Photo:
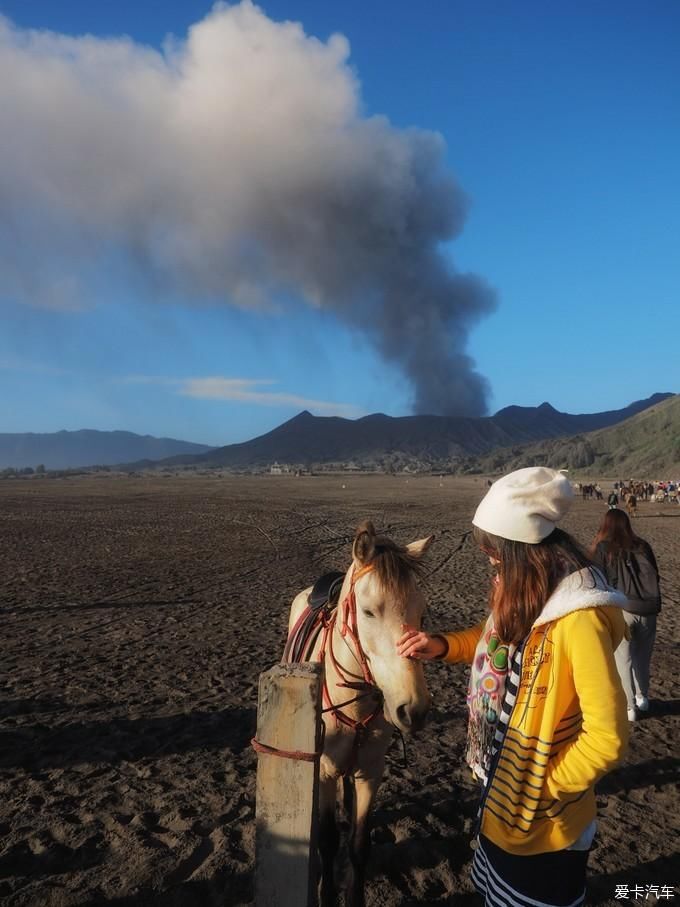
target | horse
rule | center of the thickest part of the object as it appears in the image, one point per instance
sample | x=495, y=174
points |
x=369, y=690
x=631, y=505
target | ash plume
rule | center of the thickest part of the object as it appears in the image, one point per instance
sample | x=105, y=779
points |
x=235, y=165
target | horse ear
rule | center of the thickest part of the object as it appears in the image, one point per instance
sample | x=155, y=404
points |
x=418, y=548
x=363, y=549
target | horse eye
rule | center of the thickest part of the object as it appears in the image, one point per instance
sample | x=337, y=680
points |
x=368, y=613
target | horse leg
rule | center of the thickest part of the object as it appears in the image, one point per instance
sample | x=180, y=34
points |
x=329, y=839
x=365, y=790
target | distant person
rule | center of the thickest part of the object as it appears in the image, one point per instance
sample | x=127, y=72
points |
x=543, y=681
x=630, y=566
x=613, y=500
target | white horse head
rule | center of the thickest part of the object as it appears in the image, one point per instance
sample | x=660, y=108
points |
x=387, y=597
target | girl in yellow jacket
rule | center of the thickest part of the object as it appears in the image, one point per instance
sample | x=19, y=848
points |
x=547, y=713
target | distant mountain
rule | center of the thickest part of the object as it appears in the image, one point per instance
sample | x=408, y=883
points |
x=69, y=449
x=646, y=446
x=385, y=441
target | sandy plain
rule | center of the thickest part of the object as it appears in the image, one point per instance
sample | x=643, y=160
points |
x=137, y=615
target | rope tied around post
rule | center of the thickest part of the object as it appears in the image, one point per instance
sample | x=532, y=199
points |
x=297, y=755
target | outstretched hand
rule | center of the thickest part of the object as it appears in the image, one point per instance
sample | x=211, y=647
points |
x=418, y=644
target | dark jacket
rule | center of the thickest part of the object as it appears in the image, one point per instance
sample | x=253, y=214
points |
x=633, y=572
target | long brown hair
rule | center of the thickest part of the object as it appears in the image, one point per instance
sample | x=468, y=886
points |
x=616, y=531
x=527, y=577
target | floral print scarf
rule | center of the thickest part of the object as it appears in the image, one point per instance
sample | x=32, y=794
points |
x=485, y=697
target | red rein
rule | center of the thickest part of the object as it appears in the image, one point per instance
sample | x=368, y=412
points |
x=348, y=679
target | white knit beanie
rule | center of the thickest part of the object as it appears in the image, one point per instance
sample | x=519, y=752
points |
x=525, y=505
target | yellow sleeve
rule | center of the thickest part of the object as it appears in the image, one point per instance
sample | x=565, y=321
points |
x=462, y=645
x=590, y=637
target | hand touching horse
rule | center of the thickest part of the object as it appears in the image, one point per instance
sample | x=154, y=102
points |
x=369, y=688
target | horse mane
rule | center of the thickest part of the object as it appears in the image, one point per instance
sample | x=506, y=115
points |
x=395, y=568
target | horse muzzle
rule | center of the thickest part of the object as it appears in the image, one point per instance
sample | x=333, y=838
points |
x=410, y=717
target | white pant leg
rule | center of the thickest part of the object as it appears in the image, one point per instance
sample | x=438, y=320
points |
x=624, y=664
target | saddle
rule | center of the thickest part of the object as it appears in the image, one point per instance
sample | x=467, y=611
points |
x=326, y=590
x=320, y=602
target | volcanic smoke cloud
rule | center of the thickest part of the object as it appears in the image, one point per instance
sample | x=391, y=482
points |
x=235, y=165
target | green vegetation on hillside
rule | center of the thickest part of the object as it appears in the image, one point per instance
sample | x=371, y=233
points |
x=647, y=444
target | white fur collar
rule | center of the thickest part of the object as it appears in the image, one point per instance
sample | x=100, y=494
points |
x=586, y=588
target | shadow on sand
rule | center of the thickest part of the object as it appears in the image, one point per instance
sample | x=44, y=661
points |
x=41, y=746
x=104, y=605
x=654, y=772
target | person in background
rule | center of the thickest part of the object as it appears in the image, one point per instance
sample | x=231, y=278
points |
x=629, y=564
x=613, y=500
x=547, y=714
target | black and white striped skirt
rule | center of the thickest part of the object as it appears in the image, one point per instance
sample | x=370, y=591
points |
x=542, y=880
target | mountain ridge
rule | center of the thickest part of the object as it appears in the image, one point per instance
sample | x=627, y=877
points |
x=644, y=445
x=373, y=441
x=86, y=447
x=380, y=441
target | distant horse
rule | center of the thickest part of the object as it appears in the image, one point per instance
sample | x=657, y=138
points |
x=631, y=505
x=368, y=690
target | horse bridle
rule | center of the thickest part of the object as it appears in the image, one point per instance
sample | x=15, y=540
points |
x=364, y=683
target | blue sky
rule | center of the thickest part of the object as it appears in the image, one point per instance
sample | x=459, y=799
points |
x=561, y=127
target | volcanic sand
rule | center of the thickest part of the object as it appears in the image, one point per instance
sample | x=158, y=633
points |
x=137, y=614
